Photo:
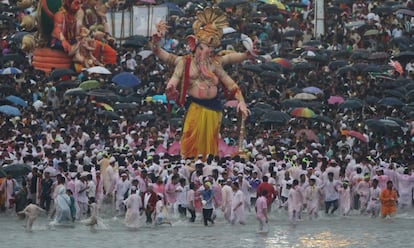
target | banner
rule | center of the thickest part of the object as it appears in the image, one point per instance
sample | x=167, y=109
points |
x=139, y=20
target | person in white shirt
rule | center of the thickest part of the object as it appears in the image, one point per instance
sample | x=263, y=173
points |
x=121, y=191
x=227, y=197
x=330, y=189
x=91, y=191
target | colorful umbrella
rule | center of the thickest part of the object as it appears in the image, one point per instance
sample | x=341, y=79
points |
x=285, y=63
x=17, y=100
x=302, y=112
x=89, y=85
x=9, y=110
x=105, y=106
x=10, y=71
x=126, y=79
x=335, y=100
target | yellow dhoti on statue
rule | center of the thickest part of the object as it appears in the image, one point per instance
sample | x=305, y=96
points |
x=200, y=132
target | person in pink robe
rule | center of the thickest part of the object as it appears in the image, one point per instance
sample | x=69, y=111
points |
x=238, y=214
x=7, y=188
x=294, y=201
x=405, y=189
x=362, y=190
x=312, y=198
x=261, y=210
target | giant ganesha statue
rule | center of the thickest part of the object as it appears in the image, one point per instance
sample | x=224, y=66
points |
x=73, y=34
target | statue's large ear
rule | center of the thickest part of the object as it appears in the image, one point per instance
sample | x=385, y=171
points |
x=192, y=42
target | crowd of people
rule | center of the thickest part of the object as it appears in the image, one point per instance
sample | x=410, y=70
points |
x=349, y=145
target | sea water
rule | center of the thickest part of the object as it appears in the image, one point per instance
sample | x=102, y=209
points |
x=327, y=231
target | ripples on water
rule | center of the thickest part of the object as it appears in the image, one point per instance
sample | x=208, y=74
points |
x=325, y=232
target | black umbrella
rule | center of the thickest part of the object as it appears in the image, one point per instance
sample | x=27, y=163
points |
x=144, y=117
x=359, y=56
x=313, y=43
x=263, y=105
x=293, y=103
x=302, y=66
x=371, y=100
x=17, y=170
x=68, y=84
x=390, y=101
x=393, y=93
x=270, y=75
x=292, y=33
x=400, y=122
x=275, y=117
x=336, y=64
x=322, y=118
x=350, y=104
x=378, y=55
x=345, y=69
x=7, y=89
x=101, y=92
x=15, y=57
x=253, y=68
x=410, y=95
x=231, y=3
x=382, y=10
x=405, y=55
x=123, y=105
x=58, y=73
x=135, y=41
x=271, y=66
x=109, y=114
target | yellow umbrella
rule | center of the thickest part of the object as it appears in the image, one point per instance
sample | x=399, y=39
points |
x=105, y=106
x=278, y=4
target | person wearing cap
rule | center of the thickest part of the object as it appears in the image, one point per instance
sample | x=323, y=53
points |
x=227, y=197
x=121, y=191
x=81, y=187
x=133, y=205
x=374, y=204
x=312, y=197
x=362, y=189
x=344, y=198
x=388, y=198
x=207, y=195
x=109, y=176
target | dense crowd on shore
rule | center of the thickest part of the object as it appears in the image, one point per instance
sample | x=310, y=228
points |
x=119, y=146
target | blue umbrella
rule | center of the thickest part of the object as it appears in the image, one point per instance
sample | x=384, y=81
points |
x=10, y=71
x=312, y=90
x=161, y=98
x=9, y=110
x=390, y=101
x=17, y=100
x=126, y=79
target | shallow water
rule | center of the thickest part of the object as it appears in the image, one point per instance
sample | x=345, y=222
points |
x=352, y=231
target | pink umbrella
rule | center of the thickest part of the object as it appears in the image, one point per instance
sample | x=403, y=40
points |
x=336, y=100
x=231, y=103
x=148, y=1
x=174, y=148
x=358, y=135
